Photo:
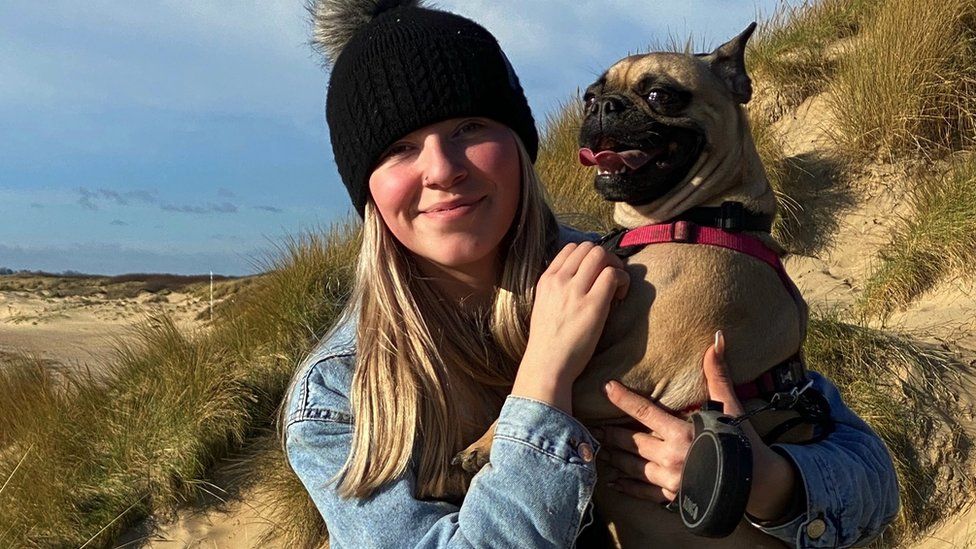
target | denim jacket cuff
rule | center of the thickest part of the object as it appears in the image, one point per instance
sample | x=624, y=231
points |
x=548, y=430
x=816, y=525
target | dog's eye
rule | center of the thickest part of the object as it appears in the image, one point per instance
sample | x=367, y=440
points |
x=662, y=97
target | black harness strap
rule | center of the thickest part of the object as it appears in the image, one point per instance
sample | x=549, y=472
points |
x=730, y=216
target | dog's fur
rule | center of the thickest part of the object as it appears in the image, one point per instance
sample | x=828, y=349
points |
x=680, y=294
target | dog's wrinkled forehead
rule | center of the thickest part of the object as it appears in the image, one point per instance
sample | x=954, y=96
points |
x=674, y=68
x=638, y=74
x=709, y=78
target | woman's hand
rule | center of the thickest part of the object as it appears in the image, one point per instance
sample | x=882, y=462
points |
x=572, y=300
x=650, y=461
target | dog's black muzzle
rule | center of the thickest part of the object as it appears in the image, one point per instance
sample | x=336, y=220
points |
x=673, y=150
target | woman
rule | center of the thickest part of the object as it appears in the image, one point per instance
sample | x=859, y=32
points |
x=434, y=141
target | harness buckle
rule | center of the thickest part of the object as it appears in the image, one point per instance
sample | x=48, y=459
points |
x=682, y=231
x=732, y=216
x=791, y=374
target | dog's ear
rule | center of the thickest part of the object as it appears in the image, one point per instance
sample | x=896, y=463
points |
x=728, y=62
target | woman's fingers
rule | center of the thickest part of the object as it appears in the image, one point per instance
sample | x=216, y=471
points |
x=568, y=315
x=644, y=445
x=638, y=468
x=611, y=283
x=621, y=276
x=587, y=262
x=721, y=388
x=644, y=411
x=590, y=270
x=558, y=261
x=571, y=266
x=591, y=264
x=642, y=490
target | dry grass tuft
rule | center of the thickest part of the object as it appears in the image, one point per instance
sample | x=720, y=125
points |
x=286, y=505
x=791, y=53
x=936, y=241
x=97, y=455
x=908, y=86
x=55, y=491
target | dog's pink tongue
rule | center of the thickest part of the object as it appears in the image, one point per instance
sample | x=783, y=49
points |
x=613, y=161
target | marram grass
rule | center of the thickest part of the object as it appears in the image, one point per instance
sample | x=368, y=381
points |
x=907, y=85
x=794, y=52
x=82, y=459
x=906, y=392
x=570, y=184
x=936, y=241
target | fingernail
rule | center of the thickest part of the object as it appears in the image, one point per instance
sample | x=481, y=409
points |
x=720, y=344
x=607, y=388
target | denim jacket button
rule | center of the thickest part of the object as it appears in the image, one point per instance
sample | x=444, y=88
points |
x=816, y=528
x=585, y=451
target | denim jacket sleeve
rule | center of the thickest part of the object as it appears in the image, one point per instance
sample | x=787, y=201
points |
x=850, y=482
x=534, y=493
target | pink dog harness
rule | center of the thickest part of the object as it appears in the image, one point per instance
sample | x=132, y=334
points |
x=686, y=232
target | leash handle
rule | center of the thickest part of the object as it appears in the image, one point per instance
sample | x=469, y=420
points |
x=717, y=475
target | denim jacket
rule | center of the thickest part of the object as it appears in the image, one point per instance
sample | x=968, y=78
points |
x=536, y=490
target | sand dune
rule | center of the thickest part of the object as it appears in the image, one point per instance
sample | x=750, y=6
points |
x=81, y=330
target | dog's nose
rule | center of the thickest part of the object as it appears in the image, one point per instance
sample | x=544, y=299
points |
x=606, y=105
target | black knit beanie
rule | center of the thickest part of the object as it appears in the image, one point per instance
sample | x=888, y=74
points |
x=397, y=67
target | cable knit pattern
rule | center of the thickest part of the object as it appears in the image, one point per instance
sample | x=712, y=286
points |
x=410, y=67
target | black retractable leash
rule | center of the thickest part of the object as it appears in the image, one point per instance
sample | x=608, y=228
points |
x=717, y=475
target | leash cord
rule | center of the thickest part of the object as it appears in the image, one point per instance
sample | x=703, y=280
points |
x=774, y=403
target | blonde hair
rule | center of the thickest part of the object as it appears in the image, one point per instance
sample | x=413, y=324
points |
x=427, y=370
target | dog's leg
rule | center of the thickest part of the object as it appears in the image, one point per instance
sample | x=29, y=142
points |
x=474, y=457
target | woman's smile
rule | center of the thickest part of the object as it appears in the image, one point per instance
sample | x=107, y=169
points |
x=452, y=209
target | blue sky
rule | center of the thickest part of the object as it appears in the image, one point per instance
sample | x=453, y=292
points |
x=190, y=136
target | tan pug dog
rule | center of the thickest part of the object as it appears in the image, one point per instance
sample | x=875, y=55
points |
x=678, y=138
x=669, y=133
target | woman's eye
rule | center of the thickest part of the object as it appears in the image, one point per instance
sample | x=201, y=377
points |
x=468, y=127
x=396, y=150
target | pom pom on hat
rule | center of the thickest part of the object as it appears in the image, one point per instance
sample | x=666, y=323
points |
x=335, y=22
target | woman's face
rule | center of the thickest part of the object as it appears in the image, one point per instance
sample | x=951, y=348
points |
x=449, y=192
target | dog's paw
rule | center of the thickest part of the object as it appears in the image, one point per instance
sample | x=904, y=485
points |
x=473, y=458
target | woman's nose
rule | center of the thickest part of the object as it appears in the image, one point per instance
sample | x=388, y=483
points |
x=442, y=163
